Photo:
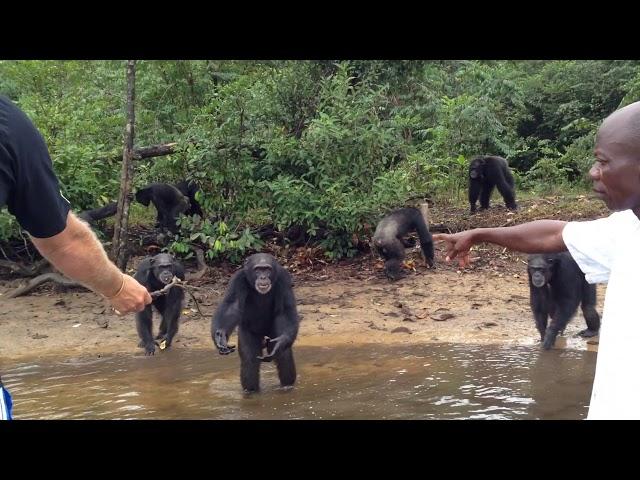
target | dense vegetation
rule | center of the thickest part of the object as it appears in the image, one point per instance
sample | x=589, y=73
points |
x=323, y=147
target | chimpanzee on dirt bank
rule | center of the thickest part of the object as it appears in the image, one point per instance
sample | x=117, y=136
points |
x=485, y=173
x=389, y=242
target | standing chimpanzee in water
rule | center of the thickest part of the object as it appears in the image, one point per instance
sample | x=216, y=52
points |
x=189, y=188
x=155, y=273
x=260, y=301
x=557, y=286
x=389, y=242
x=169, y=203
x=488, y=172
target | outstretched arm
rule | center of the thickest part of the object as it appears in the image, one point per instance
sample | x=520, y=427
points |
x=540, y=236
x=78, y=254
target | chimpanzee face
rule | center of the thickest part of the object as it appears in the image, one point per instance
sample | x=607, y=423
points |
x=260, y=272
x=476, y=169
x=541, y=268
x=163, y=268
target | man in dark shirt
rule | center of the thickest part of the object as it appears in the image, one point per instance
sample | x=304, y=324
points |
x=29, y=188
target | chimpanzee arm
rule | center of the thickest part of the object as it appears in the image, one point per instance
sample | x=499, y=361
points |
x=229, y=313
x=286, y=319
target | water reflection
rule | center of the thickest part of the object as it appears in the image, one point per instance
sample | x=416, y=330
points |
x=366, y=382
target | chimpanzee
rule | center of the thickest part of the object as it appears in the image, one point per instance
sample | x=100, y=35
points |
x=557, y=286
x=92, y=216
x=260, y=301
x=389, y=242
x=169, y=203
x=485, y=173
x=189, y=188
x=155, y=273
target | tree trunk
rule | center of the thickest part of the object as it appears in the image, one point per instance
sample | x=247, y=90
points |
x=120, y=251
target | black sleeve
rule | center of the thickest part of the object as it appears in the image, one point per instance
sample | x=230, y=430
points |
x=32, y=192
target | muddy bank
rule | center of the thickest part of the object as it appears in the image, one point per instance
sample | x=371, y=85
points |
x=340, y=303
x=440, y=305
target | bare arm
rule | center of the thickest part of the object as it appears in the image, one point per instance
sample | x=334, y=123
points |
x=78, y=254
x=540, y=236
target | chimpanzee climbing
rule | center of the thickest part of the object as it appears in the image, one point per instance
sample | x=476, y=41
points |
x=260, y=302
x=169, y=203
x=485, y=173
x=390, y=244
x=189, y=188
x=557, y=286
x=156, y=273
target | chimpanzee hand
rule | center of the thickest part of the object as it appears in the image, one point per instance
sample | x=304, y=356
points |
x=150, y=348
x=277, y=342
x=220, y=339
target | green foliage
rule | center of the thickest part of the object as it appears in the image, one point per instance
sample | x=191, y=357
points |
x=217, y=239
x=328, y=146
x=9, y=227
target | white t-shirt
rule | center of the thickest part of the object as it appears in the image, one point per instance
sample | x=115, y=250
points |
x=608, y=250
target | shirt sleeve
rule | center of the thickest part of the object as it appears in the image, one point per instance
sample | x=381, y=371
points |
x=593, y=244
x=34, y=196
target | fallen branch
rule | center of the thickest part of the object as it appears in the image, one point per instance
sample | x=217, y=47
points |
x=202, y=266
x=25, y=271
x=34, y=282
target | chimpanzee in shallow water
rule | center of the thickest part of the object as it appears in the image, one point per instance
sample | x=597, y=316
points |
x=260, y=301
x=485, y=173
x=557, y=286
x=169, y=203
x=155, y=273
x=189, y=188
x=390, y=244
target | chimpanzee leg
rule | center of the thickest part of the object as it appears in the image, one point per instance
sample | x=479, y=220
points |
x=485, y=195
x=286, y=367
x=475, y=187
x=540, y=305
x=508, y=195
x=589, y=311
x=558, y=324
x=143, y=325
x=171, y=314
x=249, y=348
x=162, y=332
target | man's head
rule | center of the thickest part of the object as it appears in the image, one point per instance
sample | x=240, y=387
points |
x=616, y=172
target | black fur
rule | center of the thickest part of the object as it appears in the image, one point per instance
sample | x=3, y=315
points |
x=149, y=273
x=488, y=172
x=266, y=319
x=189, y=188
x=561, y=288
x=169, y=203
x=389, y=242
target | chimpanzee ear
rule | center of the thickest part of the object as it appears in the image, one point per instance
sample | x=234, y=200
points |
x=152, y=261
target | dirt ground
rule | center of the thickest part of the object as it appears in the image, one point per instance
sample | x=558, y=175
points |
x=348, y=302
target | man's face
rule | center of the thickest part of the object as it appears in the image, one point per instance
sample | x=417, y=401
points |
x=616, y=172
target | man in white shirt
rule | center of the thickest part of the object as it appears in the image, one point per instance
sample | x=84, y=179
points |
x=607, y=250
